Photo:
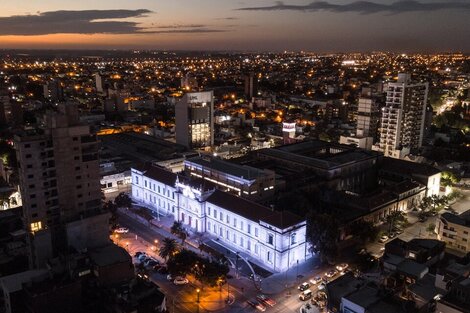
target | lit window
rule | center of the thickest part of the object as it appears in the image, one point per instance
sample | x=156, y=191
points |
x=36, y=226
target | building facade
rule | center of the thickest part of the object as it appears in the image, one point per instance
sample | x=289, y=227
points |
x=454, y=230
x=272, y=239
x=402, y=120
x=194, y=115
x=59, y=178
x=244, y=181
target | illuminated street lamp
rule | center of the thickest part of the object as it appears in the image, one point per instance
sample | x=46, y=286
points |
x=198, y=291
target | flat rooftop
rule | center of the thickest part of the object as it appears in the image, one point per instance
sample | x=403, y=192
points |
x=140, y=147
x=319, y=153
x=242, y=171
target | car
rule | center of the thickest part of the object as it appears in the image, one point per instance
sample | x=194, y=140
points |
x=383, y=239
x=255, y=304
x=331, y=273
x=180, y=280
x=304, y=286
x=322, y=286
x=138, y=253
x=266, y=300
x=398, y=230
x=169, y=277
x=341, y=267
x=392, y=235
x=315, y=280
x=305, y=295
x=121, y=230
x=142, y=257
x=151, y=263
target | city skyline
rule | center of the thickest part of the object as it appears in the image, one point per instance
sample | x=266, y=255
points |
x=262, y=25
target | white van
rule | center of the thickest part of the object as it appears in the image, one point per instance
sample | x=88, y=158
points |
x=307, y=294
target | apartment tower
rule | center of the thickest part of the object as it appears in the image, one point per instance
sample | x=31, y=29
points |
x=402, y=121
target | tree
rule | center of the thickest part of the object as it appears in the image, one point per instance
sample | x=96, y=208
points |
x=364, y=230
x=211, y=273
x=123, y=200
x=449, y=178
x=169, y=248
x=323, y=234
x=178, y=230
x=182, y=263
x=431, y=228
x=394, y=218
x=111, y=207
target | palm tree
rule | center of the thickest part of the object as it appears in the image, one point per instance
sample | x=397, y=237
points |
x=170, y=246
x=178, y=230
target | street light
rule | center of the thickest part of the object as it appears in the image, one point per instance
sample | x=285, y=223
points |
x=198, y=291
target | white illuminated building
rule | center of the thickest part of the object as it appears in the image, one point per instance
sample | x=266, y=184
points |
x=272, y=239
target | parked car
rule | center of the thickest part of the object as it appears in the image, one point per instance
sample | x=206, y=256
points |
x=307, y=294
x=169, y=277
x=315, y=280
x=383, y=239
x=331, y=273
x=304, y=286
x=121, y=230
x=180, y=280
x=341, y=267
x=266, y=300
x=151, y=263
x=142, y=257
x=138, y=253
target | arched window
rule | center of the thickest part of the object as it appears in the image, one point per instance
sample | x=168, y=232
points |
x=293, y=239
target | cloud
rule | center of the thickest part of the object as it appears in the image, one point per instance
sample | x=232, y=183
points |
x=188, y=31
x=176, y=26
x=365, y=7
x=230, y=18
x=184, y=29
x=73, y=22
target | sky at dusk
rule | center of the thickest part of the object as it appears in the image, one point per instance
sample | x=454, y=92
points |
x=246, y=25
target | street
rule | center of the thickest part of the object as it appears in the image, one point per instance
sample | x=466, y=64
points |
x=183, y=298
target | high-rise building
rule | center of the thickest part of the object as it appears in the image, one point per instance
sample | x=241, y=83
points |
x=367, y=115
x=402, y=120
x=54, y=91
x=194, y=115
x=251, y=85
x=60, y=185
x=98, y=83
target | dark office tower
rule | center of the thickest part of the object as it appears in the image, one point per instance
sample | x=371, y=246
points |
x=60, y=185
x=195, y=120
x=251, y=85
x=54, y=91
